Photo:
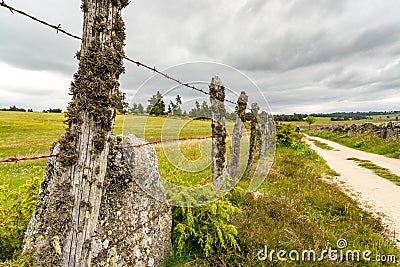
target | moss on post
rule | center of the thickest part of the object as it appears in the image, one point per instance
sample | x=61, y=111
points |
x=265, y=132
x=237, y=133
x=254, y=135
x=218, y=113
x=63, y=234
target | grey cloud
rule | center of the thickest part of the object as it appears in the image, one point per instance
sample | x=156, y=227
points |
x=321, y=8
x=29, y=45
x=298, y=49
x=301, y=53
x=253, y=7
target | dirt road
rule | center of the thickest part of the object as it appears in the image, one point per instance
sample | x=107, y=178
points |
x=377, y=195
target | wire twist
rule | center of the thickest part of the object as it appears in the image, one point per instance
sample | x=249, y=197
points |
x=15, y=159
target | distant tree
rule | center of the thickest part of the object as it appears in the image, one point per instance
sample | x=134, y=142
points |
x=140, y=108
x=135, y=107
x=178, y=100
x=122, y=105
x=156, y=105
x=195, y=112
x=174, y=109
x=53, y=110
x=200, y=111
x=14, y=108
x=310, y=120
x=205, y=110
x=284, y=117
x=171, y=107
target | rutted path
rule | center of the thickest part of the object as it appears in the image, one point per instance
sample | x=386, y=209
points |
x=375, y=194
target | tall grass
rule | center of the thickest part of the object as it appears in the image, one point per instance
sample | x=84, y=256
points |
x=293, y=209
x=365, y=142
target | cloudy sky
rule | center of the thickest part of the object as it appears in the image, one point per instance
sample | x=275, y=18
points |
x=304, y=55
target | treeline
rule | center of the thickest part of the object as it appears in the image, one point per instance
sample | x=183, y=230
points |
x=294, y=117
x=157, y=106
x=14, y=108
x=343, y=116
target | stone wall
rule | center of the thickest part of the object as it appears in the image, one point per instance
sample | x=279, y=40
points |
x=388, y=131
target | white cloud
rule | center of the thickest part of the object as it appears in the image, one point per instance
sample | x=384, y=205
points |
x=32, y=89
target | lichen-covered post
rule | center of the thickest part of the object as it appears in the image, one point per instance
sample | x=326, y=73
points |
x=254, y=134
x=237, y=134
x=271, y=131
x=218, y=113
x=64, y=234
x=264, y=129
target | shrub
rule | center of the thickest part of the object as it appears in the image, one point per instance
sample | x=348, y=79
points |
x=286, y=134
x=16, y=207
x=205, y=229
x=358, y=144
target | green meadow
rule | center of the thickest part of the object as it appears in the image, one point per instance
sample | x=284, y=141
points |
x=365, y=142
x=294, y=209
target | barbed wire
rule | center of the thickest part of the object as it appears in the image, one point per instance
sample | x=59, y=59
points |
x=15, y=159
x=138, y=63
x=165, y=141
x=57, y=28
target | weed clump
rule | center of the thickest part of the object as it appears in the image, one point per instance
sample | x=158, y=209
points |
x=15, y=211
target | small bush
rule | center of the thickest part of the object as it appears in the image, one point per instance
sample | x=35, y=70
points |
x=300, y=147
x=286, y=134
x=206, y=229
x=358, y=144
x=16, y=207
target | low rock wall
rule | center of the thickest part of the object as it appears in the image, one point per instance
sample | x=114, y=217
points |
x=388, y=131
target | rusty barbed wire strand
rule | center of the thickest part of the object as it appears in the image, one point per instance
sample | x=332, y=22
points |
x=15, y=159
x=57, y=28
x=154, y=69
x=138, y=63
x=165, y=141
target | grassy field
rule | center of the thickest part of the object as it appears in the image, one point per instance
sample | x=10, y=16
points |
x=365, y=142
x=324, y=121
x=293, y=210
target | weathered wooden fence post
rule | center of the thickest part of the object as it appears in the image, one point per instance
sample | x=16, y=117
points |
x=254, y=134
x=264, y=129
x=91, y=210
x=218, y=113
x=85, y=146
x=237, y=134
x=73, y=206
